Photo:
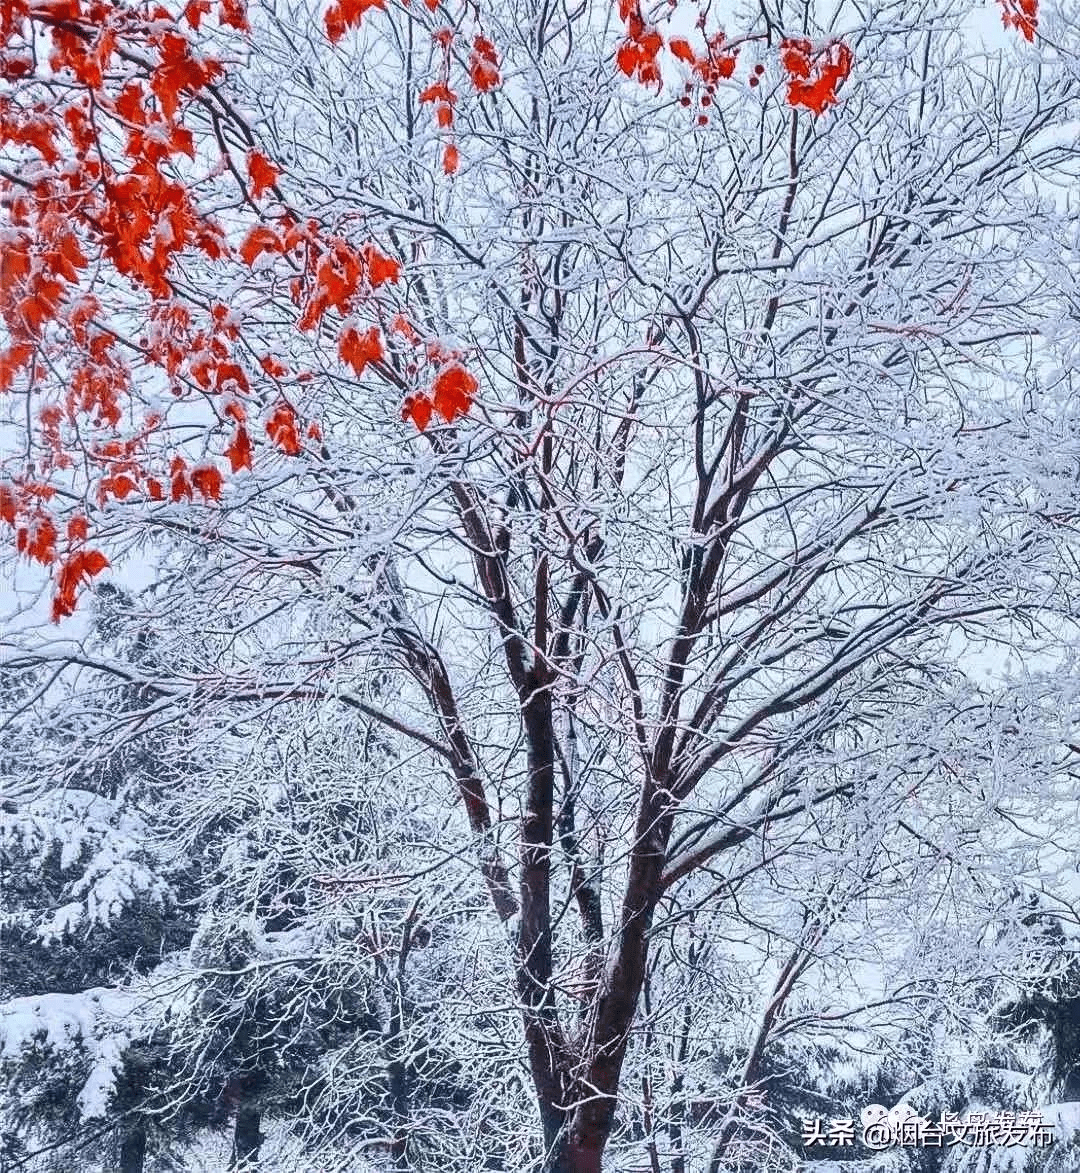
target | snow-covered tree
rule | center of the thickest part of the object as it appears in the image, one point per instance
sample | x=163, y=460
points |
x=660, y=429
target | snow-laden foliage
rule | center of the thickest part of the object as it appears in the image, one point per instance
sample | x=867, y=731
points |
x=96, y=838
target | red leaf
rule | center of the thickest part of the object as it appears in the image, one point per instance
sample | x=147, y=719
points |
x=195, y=10
x=272, y=367
x=77, y=529
x=234, y=13
x=1022, y=15
x=12, y=360
x=360, y=349
x=261, y=239
x=450, y=159
x=181, y=486
x=353, y=10
x=263, y=173
x=335, y=24
x=438, y=92
x=8, y=504
x=627, y=57
x=40, y=542
x=154, y=489
x=347, y=14
x=178, y=72
x=795, y=56
x=281, y=428
x=453, y=392
x=380, y=269
x=418, y=408
x=683, y=50
x=484, y=76
x=130, y=103
x=207, y=479
x=120, y=486
x=239, y=451
x=15, y=262
x=94, y=562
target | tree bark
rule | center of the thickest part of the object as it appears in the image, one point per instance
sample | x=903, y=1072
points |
x=247, y=1139
x=133, y=1150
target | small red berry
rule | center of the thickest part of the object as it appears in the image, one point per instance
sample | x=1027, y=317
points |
x=703, y=120
x=684, y=101
x=759, y=69
x=753, y=81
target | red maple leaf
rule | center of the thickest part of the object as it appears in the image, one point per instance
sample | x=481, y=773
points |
x=453, y=392
x=438, y=92
x=281, y=428
x=380, y=268
x=360, y=349
x=261, y=239
x=418, y=408
x=1022, y=15
x=239, y=450
x=484, y=65
x=207, y=479
x=234, y=13
x=39, y=540
x=194, y=11
x=263, y=173
x=119, y=486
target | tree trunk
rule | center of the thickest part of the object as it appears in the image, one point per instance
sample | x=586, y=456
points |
x=247, y=1139
x=555, y=1139
x=133, y=1150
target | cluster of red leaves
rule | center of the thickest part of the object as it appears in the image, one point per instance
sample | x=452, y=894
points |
x=347, y=14
x=36, y=536
x=814, y=75
x=718, y=63
x=282, y=428
x=484, y=74
x=444, y=99
x=93, y=186
x=80, y=565
x=637, y=55
x=484, y=65
x=452, y=394
x=1022, y=15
